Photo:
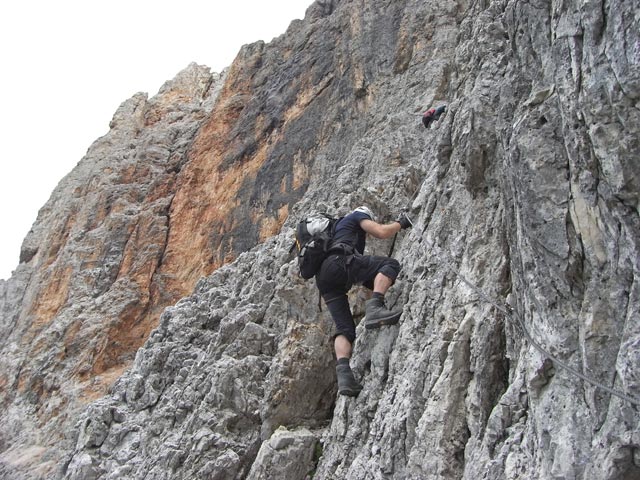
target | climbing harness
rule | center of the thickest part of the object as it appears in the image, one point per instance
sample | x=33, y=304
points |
x=515, y=318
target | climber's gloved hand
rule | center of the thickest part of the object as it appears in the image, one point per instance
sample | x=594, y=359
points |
x=404, y=221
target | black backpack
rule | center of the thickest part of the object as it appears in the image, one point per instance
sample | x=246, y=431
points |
x=313, y=239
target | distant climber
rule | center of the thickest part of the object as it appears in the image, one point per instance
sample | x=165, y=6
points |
x=347, y=265
x=432, y=115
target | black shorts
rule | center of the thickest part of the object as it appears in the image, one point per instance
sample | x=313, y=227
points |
x=339, y=273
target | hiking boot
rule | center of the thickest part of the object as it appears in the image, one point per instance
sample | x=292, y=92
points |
x=377, y=314
x=347, y=384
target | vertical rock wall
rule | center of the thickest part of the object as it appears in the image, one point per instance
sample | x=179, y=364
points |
x=524, y=194
x=89, y=288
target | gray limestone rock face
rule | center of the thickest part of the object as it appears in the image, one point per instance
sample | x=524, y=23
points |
x=287, y=454
x=516, y=354
x=81, y=301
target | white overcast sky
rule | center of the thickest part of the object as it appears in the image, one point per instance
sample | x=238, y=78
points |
x=68, y=64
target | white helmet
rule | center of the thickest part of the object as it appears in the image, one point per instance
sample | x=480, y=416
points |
x=366, y=211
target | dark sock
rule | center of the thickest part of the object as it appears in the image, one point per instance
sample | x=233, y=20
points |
x=343, y=361
x=378, y=295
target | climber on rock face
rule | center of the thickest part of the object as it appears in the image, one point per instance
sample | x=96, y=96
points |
x=432, y=115
x=346, y=266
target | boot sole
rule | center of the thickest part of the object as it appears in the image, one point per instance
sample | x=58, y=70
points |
x=382, y=322
x=350, y=392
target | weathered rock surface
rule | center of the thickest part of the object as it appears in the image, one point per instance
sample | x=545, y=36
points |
x=89, y=288
x=286, y=455
x=527, y=189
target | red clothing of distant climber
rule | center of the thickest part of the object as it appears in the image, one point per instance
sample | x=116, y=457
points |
x=432, y=115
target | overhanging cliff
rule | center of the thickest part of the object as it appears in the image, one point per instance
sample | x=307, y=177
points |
x=527, y=189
